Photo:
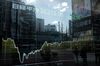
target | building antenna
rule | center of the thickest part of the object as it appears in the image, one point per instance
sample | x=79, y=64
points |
x=59, y=26
x=62, y=30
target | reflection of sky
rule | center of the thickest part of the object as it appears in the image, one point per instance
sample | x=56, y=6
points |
x=53, y=10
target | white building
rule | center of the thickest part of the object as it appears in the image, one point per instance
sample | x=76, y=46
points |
x=51, y=28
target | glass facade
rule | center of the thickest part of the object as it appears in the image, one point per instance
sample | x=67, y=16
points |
x=49, y=32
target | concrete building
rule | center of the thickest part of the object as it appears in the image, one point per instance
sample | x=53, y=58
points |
x=50, y=28
x=24, y=23
x=85, y=22
x=80, y=25
x=40, y=25
x=18, y=22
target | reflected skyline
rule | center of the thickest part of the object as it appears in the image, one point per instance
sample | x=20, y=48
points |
x=53, y=11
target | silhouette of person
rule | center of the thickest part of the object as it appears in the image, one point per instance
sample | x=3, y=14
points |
x=83, y=54
x=76, y=53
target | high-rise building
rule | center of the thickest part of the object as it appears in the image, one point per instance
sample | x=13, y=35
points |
x=24, y=23
x=18, y=22
x=85, y=22
x=81, y=25
x=96, y=28
x=1, y=23
x=40, y=25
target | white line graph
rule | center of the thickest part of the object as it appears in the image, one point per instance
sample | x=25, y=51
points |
x=25, y=56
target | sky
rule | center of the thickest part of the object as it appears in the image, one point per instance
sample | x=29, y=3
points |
x=53, y=11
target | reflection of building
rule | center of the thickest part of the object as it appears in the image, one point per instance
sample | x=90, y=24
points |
x=81, y=24
x=70, y=28
x=86, y=27
x=40, y=25
x=18, y=22
x=81, y=27
x=96, y=26
x=5, y=32
x=23, y=26
x=50, y=28
x=1, y=23
x=81, y=9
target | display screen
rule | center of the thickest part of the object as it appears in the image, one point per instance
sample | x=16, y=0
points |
x=49, y=32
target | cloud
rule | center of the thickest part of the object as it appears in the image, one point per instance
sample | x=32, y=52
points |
x=51, y=0
x=30, y=1
x=54, y=22
x=63, y=9
x=64, y=4
x=57, y=7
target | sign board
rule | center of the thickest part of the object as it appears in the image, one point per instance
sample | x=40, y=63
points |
x=23, y=7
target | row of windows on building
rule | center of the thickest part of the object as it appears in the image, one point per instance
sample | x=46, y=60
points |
x=83, y=33
x=22, y=7
x=82, y=23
